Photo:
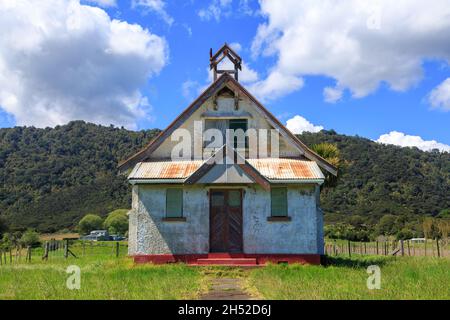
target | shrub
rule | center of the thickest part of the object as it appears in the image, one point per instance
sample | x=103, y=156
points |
x=30, y=238
x=90, y=222
x=117, y=222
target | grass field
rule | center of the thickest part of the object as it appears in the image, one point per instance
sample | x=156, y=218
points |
x=104, y=276
x=344, y=278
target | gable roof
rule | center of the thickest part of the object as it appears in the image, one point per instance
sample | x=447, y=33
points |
x=221, y=157
x=197, y=103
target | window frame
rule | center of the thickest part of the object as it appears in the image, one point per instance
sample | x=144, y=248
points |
x=241, y=120
x=168, y=217
x=277, y=215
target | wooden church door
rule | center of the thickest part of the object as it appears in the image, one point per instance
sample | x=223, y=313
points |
x=225, y=232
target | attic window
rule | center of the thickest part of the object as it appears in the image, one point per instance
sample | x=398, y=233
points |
x=236, y=124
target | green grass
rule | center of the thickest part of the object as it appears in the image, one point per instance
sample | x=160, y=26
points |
x=103, y=276
x=344, y=278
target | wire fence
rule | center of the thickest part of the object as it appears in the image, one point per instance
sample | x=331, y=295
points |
x=428, y=247
x=54, y=250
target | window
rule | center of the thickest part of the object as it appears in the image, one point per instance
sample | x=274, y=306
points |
x=278, y=202
x=174, y=203
x=235, y=124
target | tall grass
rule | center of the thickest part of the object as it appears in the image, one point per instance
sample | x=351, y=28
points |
x=344, y=278
x=102, y=277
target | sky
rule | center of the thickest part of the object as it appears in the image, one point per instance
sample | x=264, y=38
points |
x=377, y=69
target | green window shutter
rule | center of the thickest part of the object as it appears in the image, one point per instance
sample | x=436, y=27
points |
x=279, y=202
x=174, y=203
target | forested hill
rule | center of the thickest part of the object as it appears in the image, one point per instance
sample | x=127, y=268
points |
x=378, y=179
x=51, y=177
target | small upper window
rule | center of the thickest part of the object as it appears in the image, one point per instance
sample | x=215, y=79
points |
x=236, y=124
x=279, y=202
x=174, y=203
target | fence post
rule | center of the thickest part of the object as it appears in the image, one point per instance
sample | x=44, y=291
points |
x=1, y=260
x=409, y=250
x=29, y=254
x=117, y=249
x=349, y=249
x=46, y=248
x=425, y=247
x=66, y=248
x=402, y=248
x=437, y=246
x=334, y=247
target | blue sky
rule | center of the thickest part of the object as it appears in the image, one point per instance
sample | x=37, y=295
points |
x=394, y=85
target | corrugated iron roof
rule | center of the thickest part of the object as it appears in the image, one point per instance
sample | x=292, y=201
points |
x=287, y=169
x=270, y=168
x=165, y=169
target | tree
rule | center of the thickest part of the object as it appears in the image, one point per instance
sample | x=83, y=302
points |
x=90, y=222
x=329, y=152
x=3, y=226
x=445, y=213
x=30, y=238
x=428, y=227
x=387, y=225
x=117, y=222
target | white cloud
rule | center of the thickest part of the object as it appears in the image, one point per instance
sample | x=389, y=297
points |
x=215, y=10
x=236, y=46
x=103, y=3
x=404, y=140
x=332, y=95
x=439, y=97
x=358, y=43
x=64, y=61
x=298, y=124
x=277, y=84
x=156, y=6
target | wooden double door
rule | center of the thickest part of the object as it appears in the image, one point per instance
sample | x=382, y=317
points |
x=225, y=232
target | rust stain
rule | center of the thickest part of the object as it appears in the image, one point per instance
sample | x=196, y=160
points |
x=287, y=168
x=271, y=168
x=166, y=169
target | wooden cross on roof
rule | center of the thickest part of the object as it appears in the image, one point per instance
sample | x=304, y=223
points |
x=222, y=53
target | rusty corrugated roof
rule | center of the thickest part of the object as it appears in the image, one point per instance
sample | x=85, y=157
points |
x=165, y=169
x=270, y=168
x=287, y=169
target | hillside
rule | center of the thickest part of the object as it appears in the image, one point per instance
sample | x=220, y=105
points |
x=51, y=177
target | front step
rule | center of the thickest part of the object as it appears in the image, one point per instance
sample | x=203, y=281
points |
x=227, y=261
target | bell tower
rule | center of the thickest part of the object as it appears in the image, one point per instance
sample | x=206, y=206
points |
x=222, y=53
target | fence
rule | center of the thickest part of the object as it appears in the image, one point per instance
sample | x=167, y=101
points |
x=63, y=249
x=431, y=248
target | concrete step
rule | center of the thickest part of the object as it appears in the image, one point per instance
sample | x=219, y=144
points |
x=227, y=261
x=226, y=255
